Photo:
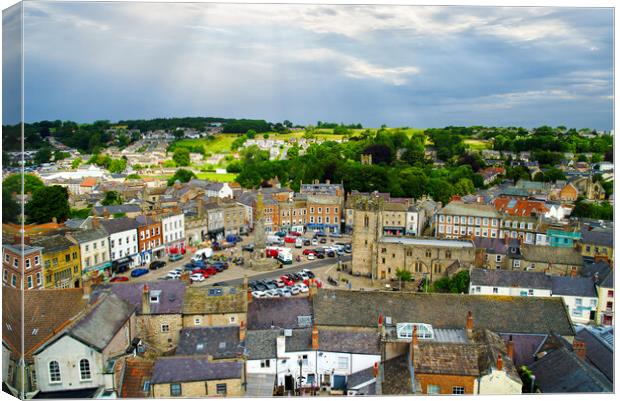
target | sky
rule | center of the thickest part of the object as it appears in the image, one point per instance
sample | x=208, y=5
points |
x=396, y=65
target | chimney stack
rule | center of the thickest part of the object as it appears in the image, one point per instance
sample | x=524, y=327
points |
x=500, y=362
x=510, y=348
x=470, y=324
x=579, y=348
x=506, y=239
x=242, y=331
x=146, y=302
x=380, y=323
x=315, y=337
x=375, y=370
x=573, y=273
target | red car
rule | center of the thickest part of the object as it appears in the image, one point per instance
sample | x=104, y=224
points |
x=205, y=272
x=119, y=279
x=290, y=240
x=210, y=270
x=308, y=252
x=271, y=253
x=287, y=281
x=294, y=233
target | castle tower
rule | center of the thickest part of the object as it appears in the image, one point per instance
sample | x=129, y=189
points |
x=367, y=223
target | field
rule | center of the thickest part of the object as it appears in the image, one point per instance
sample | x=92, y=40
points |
x=477, y=144
x=228, y=177
x=220, y=144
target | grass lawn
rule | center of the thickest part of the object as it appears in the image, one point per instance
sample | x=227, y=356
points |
x=477, y=144
x=228, y=177
x=221, y=143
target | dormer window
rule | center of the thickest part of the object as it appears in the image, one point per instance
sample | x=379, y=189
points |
x=154, y=296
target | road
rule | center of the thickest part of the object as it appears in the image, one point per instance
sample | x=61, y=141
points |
x=252, y=275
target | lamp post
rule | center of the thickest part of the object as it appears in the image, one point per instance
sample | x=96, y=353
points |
x=533, y=378
x=300, y=361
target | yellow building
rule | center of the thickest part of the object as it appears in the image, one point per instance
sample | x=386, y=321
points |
x=61, y=262
x=597, y=243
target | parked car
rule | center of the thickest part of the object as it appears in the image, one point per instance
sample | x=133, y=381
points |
x=280, y=283
x=287, y=281
x=296, y=277
x=174, y=257
x=335, y=235
x=308, y=251
x=347, y=248
x=295, y=289
x=260, y=286
x=281, y=233
x=321, y=234
x=189, y=266
x=248, y=248
x=238, y=261
x=323, y=240
x=309, y=273
x=303, y=276
x=139, y=272
x=259, y=294
x=158, y=264
x=119, y=279
x=272, y=293
x=173, y=274
x=303, y=288
x=206, y=273
x=271, y=285
x=306, y=242
x=320, y=256
x=290, y=239
x=311, y=256
x=197, y=277
x=286, y=292
x=331, y=253
x=314, y=241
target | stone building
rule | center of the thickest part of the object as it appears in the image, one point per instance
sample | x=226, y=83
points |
x=214, y=306
x=380, y=257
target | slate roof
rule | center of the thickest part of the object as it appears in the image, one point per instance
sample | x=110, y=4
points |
x=99, y=325
x=171, y=298
x=501, y=314
x=551, y=254
x=263, y=313
x=113, y=209
x=189, y=369
x=22, y=250
x=608, y=281
x=597, y=236
x=471, y=209
x=496, y=245
x=601, y=267
x=446, y=359
x=360, y=377
x=199, y=301
x=510, y=278
x=524, y=346
x=137, y=371
x=54, y=243
x=396, y=376
x=490, y=346
x=83, y=236
x=220, y=341
x=561, y=371
x=261, y=344
x=573, y=286
x=598, y=352
x=300, y=340
x=113, y=226
x=348, y=341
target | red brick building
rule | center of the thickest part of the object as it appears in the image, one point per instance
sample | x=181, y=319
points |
x=18, y=263
x=150, y=240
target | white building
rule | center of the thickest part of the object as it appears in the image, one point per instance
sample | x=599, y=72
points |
x=509, y=282
x=77, y=357
x=123, y=237
x=219, y=190
x=94, y=248
x=322, y=359
x=173, y=230
x=87, y=170
x=579, y=295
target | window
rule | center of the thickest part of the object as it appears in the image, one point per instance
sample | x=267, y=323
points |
x=530, y=292
x=232, y=319
x=448, y=254
x=14, y=280
x=495, y=290
x=84, y=369
x=29, y=279
x=7, y=259
x=175, y=389
x=610, y=293
x=578, y=301
x=517, y=263
x=265, y=363
x=37, y=260
x=146, y=386
x=27, y=263
x=432, y=389
x=38, y=278
x=197, y=321
x=428, y=253
x=165, y=328
x=343, y=363
x=6, y=275
x=441, y=218
x=458, y=390
x=220, y=388
x=498, y=258
x=54, y=369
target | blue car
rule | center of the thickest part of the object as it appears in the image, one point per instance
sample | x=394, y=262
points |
x=139, y=272
x=189, y=266
x=199, y=263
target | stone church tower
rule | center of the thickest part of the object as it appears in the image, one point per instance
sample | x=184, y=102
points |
x=367, y=223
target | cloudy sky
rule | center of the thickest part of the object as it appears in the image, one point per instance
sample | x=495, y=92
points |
x=396, y=65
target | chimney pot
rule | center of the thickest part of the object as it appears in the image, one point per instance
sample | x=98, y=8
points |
x=510, y=348
x=242, y=331
x=579, y=348
x=500, y=362
x=146, y=306
x=470, y=324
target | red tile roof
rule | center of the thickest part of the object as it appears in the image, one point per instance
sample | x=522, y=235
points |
x=137, y=371
x=519, y=207
x=89, y=182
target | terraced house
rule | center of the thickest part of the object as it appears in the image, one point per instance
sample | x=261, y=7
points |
x=61, y=262
x=19, y=261
x=461, y=220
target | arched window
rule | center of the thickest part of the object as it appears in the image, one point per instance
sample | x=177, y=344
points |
x=84, y=369
x=366, y=221
x=54, y=372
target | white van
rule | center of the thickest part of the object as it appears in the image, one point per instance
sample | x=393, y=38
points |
x=203, y=253
x=274, y=239
x=299, y=242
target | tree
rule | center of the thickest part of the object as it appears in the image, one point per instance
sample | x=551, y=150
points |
x=234, y=167
x=250, y=134
x=179, y=133
x=459, y=283
x=182, y=175
x=47, y=203
x=266, y=135
x=181, y=157
x=13, y=183
x=43, y=155
x=404, y=275
x=10, y=209
x=76, y=163
x=112, y=198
